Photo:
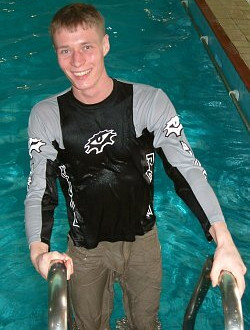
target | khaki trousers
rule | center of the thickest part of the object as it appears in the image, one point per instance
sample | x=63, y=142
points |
x=137, y=266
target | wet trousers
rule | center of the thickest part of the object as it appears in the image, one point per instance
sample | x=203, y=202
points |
x=136, y=265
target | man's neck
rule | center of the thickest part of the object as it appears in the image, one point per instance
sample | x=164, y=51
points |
x=94, y=95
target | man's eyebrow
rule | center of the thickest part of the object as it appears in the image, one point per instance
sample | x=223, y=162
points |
x=62, y=47
x=81, y=44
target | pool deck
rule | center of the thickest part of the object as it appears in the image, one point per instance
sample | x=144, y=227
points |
x=234, y=17
x=230, y=21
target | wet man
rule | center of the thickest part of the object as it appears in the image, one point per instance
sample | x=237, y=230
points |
x=99, y=138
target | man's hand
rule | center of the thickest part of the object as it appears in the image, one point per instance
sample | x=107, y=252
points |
x=226, y=257
x=41, y=259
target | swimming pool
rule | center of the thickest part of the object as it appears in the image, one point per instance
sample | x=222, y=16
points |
x=151, y=42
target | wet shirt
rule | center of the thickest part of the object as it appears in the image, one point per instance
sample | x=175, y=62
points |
x=103, y=155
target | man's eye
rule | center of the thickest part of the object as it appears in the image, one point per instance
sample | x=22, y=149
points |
x=87, y=47
x=64, y=52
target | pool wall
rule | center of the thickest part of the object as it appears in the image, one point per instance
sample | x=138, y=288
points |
x=238, y=74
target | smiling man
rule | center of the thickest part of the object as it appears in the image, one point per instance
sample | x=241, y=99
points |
x=99, y=139
x=80, y=56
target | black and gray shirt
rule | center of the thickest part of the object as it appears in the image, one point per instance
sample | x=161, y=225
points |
x=103, y=155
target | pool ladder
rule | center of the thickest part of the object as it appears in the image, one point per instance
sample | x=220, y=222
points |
x=60, y=312
x=231, y=301
x=59, y=309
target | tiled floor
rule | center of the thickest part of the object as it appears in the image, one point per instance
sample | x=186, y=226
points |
x=234, y=17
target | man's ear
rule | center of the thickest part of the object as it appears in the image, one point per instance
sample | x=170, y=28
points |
x=106, y=45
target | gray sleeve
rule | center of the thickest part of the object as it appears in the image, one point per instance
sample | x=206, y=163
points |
x=41, y=199
x=153, y=110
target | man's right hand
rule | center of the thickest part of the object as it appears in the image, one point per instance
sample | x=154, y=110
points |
x=41, y=259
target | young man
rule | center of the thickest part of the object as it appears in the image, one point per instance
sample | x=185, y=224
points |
x=99, y=138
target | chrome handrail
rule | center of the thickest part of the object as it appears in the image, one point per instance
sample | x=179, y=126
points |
x=198, y=296
x=230, y=299
x=57, y=285
x=231, y=302
x=58, y=305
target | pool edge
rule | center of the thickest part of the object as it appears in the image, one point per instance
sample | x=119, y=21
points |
x=218, y=45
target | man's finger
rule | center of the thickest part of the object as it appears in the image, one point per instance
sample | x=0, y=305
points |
x=69, y=266
x=240, y=283
x=214, y=275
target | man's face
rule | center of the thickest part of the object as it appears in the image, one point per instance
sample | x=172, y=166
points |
x=80, y=55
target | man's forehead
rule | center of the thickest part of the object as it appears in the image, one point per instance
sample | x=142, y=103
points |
x=84, y=27
x=79, y=33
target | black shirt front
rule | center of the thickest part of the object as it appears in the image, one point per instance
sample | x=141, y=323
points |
x=103, y=168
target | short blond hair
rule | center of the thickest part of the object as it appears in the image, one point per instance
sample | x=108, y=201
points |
x=75, y=14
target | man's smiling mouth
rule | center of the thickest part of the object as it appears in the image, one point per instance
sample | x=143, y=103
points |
x=81, y=73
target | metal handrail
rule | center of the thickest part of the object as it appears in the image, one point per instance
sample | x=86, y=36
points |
x=231, y=302
x=230, y=299
x=58, y=305
x=58, y=302
x=198, y=295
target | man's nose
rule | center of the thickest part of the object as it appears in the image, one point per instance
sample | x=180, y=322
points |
x=77, y=59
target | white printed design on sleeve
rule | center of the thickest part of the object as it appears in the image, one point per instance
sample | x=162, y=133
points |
x=186, y=148
x=30, y=177
x=99, y=140
x=173, y=126
x=35, y=144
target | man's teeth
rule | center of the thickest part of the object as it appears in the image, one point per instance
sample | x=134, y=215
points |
x=82, y=73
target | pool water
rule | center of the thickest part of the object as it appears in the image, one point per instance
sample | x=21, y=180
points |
x=151, y=42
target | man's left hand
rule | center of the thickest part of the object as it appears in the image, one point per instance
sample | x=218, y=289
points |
x=227, y=257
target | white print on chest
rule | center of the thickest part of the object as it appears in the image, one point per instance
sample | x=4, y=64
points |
x=99, y=140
